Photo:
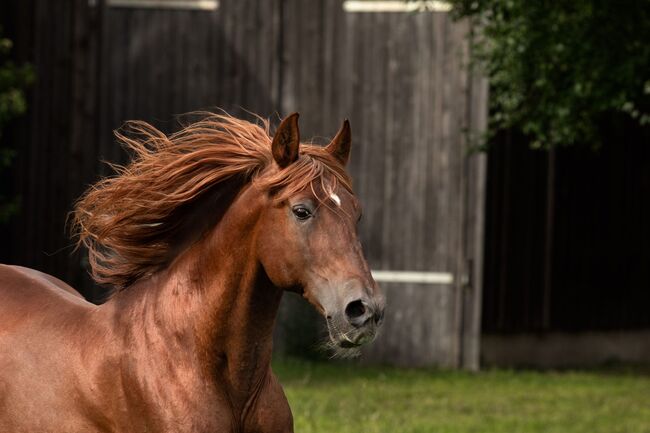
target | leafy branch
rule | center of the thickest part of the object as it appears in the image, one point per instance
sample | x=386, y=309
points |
x=558, y=69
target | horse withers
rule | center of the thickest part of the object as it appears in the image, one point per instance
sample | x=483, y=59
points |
x=198, y=236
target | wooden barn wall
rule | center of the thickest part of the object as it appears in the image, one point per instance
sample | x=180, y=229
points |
x=591, y=272
x=401, y=80
x=398, y=77
x=163, y=63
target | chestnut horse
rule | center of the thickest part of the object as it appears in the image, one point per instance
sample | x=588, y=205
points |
x=199, y=236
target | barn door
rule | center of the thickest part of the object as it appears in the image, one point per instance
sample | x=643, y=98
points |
x=401, y=79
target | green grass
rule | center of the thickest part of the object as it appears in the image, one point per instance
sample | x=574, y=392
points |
x=342, y=398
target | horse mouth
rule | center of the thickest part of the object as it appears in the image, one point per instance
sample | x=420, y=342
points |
x=347, y=342
x=360, y=340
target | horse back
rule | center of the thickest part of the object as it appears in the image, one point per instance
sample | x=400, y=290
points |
x=41, y=325
x=25, y=291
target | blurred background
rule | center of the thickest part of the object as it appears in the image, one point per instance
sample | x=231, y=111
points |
x=501, y=152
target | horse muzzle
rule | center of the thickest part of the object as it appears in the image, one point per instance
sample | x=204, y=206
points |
x=357, y=324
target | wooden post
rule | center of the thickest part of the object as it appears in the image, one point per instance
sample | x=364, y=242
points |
x=477, y=100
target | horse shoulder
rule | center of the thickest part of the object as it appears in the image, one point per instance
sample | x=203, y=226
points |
x=271, y=412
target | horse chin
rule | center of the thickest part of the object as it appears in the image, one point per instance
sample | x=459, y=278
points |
x=347, y=343
x=342, y=353
x=336, y=348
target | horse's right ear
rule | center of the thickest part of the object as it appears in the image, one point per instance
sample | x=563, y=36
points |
x=286, y=141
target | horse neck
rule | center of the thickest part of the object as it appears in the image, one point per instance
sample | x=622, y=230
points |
x=215, y=305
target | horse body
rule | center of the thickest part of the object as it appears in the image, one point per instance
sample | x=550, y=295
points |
x=170, y=358
x=186, y=348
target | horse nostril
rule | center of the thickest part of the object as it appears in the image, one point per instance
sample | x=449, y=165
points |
x=355, y=309
x=358, y=313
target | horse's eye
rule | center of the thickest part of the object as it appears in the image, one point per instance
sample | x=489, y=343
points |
x=301, y=212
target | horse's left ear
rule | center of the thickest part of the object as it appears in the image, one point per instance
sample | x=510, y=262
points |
x=286, y=141
x=339, y=147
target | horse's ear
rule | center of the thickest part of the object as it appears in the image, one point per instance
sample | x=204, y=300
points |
x=339, y=147
x=286, y=141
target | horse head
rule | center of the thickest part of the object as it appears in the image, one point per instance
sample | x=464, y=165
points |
x=310, y=243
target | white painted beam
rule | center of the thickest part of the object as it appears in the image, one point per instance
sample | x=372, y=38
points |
x=396, y=6
x=413, y=277
x=204, y=5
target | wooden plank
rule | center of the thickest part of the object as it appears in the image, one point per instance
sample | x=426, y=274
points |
x=374, y=109
x=459, y=60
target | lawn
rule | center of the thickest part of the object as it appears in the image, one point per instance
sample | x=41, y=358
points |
x=347, y=398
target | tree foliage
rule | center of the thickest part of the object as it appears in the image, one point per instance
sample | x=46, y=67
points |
x=557, y=69
x=13, y=80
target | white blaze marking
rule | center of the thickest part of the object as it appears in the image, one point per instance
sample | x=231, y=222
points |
x=336, y=199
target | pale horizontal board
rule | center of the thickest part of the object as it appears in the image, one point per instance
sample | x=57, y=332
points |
x=396, y=6
x=206, y=5
x=413, y=277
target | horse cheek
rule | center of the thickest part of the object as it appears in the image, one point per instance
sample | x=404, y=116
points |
x=277, y=257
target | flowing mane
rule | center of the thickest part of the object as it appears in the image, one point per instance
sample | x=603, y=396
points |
x=131, y=221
